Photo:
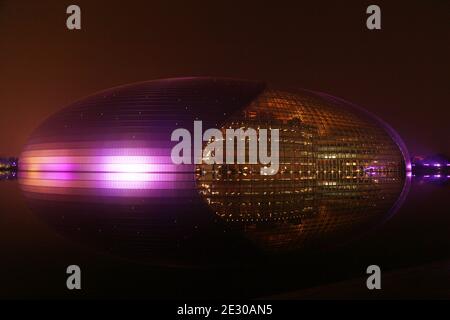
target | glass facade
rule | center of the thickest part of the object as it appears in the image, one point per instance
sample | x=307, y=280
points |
x=339, y=170
x=100, y=171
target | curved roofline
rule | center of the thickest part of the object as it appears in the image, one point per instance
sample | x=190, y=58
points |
x=187, y=78
x=392, y=133
x=398, y=141
x=261, y=84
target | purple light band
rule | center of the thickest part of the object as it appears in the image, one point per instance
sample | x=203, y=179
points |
x=128, y=169
x=106, y=176
x=98, y=184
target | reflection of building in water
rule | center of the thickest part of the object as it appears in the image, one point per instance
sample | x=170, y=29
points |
x=100, y=171
x=8, y=175
x=339, y=171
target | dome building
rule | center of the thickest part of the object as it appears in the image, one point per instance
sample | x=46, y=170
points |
x=100, y=171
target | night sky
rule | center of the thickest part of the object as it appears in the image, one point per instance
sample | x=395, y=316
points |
x=400, y=73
